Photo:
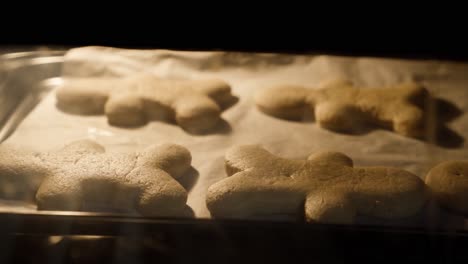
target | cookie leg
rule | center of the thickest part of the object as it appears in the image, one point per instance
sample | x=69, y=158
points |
x=283, y=102
x=338, y=117
x=161, y=194
x=125, y=110
x=409, y=121
x=387, y=193
x=329, y=207
x=245, y=196
x=53, y=195
x=217, y=90
x=197, y=114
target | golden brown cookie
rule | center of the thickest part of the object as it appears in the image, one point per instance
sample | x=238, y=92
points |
x=83, y=177
x=340, y=106
x=195, y=105
x=325, y=188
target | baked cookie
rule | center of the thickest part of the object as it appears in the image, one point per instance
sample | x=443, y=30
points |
x=448, y=183
x=83, y=177
x=340, y=106
x=21, y=173
x=324, y=188
x=195, y=105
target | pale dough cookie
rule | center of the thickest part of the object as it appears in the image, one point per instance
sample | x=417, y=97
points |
x=448, y=182
x=324, y=188
x=83, y=177
x=21, y=173
x=340, y=106
x=195, y=105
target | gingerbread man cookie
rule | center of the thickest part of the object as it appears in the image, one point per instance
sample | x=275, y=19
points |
x=448, y=182
x=83, y=177
x=324, y=188
x=340, y=106
x=195, y=105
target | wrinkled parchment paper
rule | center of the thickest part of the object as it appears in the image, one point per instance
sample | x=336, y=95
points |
x=47, y=128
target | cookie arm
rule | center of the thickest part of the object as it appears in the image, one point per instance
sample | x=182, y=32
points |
x=244, y=157
x=329, y=207
x=21, y=173
x=337, y=158
x=173, y=159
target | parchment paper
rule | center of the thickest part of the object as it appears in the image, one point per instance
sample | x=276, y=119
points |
x=47, y=128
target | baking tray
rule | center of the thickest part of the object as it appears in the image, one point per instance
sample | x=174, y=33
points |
x=27, y=76
x=21, y=88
